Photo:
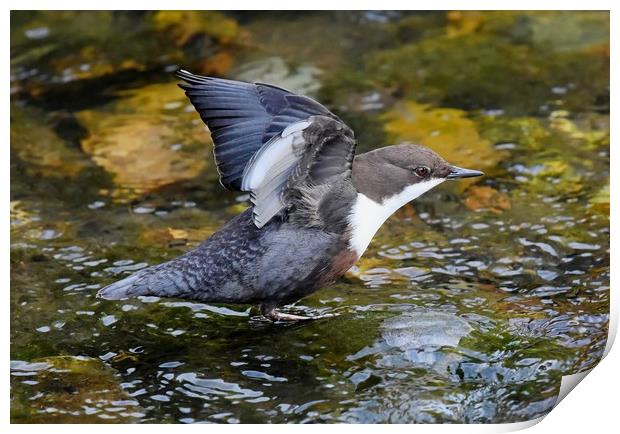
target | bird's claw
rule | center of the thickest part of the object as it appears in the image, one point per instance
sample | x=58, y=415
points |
x=276, y=316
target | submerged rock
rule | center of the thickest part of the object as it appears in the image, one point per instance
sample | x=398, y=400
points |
x=303, y=79
x=185, y=25
x=57, y=47
x=467, y=64
x=487, y=198
x=425, y=330
x=146, y=139
x=66, y=389
x=35, y=143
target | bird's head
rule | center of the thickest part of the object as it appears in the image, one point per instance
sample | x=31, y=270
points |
x=403, y=172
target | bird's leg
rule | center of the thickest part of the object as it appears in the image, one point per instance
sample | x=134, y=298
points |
x=272, y=314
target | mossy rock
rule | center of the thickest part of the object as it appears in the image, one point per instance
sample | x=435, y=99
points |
x=36, y=144
x=68, y=389
x=76, y=45
x=468, y=66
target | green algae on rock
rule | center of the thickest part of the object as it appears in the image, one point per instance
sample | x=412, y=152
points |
x=79, y=45
x=471, y=68
x=68, y=389
x=302, y=79
x=35, y=143
x=600, y=201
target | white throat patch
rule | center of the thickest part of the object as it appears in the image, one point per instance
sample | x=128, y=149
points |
x=367, y=216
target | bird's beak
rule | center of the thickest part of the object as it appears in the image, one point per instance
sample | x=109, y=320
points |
x=459, y=172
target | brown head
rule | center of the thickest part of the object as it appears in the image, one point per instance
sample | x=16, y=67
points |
x=386, y=172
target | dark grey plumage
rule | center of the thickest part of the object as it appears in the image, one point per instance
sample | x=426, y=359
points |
x=271, y=266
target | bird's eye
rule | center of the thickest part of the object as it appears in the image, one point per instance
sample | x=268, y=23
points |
x=422, y=171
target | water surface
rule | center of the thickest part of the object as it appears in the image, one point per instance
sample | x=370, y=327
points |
x=469, y=305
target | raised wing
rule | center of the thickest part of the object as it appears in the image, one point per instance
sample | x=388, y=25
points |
x=242, y=117
x=271, y=142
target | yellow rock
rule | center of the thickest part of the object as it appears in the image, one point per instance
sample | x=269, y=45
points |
x=172, y=237
x=447, y=131
x=178, y=234
x=566, y=180
x=554, y=168
x=464, y=22
x=146, y=139
x=586, y=134
x=487, y=198
x=19, y=216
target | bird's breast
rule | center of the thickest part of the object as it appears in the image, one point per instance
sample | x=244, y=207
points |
x=365, y=219
x=339, y=265
x=367, y=215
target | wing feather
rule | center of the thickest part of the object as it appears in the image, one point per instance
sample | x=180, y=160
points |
x=244, y=115
x=269, y=141
x=307, y=152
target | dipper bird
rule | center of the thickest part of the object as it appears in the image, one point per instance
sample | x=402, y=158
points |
x=316, y=205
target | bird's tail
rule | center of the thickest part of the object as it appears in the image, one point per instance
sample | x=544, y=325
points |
x=132, y=286
x=176, y=278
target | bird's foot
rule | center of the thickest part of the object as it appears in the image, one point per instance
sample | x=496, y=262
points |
x=274, y=315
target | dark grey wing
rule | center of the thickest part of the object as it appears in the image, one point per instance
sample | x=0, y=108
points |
x=270, y=142
x=242, y=117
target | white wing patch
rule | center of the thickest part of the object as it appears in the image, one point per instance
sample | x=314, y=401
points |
x=367, y=216
x=267, y=172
